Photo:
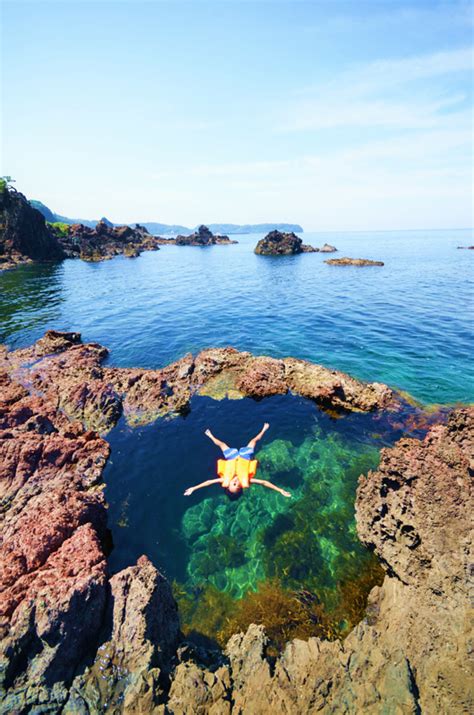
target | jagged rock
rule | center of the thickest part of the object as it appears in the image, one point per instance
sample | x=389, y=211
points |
x=202, y=237
x=352, y=262
x=277, y=243
x=132, y=665
x=106, y=240
x=75, y=640
x=24, y=235
x=327, y=248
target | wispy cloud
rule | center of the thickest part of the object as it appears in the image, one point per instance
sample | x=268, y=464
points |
x=383, y=93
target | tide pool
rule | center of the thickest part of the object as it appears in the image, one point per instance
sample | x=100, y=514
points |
x=262, y=547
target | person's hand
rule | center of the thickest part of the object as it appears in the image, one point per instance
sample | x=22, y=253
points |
x=266, y=426
x=286, y=494
x=188, y=492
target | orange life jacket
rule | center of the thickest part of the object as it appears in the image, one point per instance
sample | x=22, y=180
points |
x=243, y=469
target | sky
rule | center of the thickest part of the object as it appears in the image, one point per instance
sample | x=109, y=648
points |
x=335, y=115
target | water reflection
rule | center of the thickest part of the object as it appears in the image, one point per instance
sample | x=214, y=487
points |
x=31, y=298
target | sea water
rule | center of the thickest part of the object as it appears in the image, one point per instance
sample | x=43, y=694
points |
x=295, y=564
x=407, y=324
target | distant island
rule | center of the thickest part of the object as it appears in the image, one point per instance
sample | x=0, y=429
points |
x=156, y=228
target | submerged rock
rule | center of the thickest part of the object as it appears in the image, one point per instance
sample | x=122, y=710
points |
x=277, y=243
x=352, y=262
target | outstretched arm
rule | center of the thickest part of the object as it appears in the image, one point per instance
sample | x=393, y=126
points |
x=254, y=441
x=269, y=485
x=208, y=483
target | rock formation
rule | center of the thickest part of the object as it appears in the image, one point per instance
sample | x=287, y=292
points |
x=276, y=243
x=471, y=248
x=352, y=262
x=327, y=248
x=105, y=241
x=24, y=235
x=202, y=237
x=76, y=640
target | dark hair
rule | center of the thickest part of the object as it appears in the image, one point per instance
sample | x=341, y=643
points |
x=233, y=496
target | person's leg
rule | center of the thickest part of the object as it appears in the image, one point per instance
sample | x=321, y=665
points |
x=217, y=442
x=254, y=441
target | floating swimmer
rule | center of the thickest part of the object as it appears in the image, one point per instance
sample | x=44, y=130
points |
x=238, y=468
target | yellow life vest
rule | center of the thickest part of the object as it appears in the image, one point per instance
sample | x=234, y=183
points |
x=243, y=469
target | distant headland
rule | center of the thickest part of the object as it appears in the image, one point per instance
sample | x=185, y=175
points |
x=156, y=228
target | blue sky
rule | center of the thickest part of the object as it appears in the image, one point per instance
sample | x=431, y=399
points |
x=335, y=115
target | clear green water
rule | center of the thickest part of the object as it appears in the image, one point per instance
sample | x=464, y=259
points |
x=209, y=545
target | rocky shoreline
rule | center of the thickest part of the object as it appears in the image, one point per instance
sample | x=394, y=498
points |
x=76, y=640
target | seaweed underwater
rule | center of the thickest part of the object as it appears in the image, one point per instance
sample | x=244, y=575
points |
x=295, y=566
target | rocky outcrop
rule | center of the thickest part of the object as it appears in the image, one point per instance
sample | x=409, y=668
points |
x=71, y=375
x=76, y=640
x=471, y=248
x=352, y=262
x=327, y=248
x=106, y=241
x=202, y=237
x=276, y=243
x=24, y=235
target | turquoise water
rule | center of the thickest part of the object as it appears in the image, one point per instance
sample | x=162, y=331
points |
x=408, y=324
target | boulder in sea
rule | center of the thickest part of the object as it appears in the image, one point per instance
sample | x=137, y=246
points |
x=277, y=243
x=469, y=248
x=327, y=248
x=202, y=237
x=352, y=262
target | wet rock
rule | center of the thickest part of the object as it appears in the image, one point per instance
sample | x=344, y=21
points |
x=277, y=243
x=352, y=262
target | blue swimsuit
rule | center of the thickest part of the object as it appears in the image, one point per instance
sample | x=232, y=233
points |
x=243, y=452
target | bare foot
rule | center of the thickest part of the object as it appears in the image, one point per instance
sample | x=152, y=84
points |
x=265, y=427
x=208, y=433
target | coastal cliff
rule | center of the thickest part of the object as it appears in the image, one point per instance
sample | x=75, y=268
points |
x=24, y=235
x=75, y=639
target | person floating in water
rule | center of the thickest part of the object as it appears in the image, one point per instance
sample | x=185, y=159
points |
x=238, y=468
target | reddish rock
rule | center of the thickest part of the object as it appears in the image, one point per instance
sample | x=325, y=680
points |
x=352, y=262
